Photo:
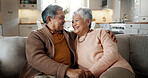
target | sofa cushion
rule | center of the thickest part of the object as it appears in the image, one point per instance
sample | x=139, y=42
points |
x=12, y=56
x=123, y=45
x=139, y=55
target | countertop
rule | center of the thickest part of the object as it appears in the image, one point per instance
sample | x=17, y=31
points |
x=125, y=23
x=28, y=23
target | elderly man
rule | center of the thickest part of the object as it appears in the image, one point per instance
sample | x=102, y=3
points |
x=50, y=51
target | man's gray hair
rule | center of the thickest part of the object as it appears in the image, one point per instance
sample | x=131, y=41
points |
x=51, y=11
x=85, y=13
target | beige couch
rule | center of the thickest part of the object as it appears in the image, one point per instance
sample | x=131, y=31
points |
x=134, y=48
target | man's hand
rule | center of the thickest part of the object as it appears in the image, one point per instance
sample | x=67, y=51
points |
x=75, y=73
x=113, y=37
x=89, y=74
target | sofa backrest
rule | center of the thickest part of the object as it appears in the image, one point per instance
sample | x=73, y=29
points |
x=134, y=48
x=123, y=45
x=139, y=54
x=12, y=56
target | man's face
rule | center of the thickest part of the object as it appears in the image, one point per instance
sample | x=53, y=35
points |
x=58, y=21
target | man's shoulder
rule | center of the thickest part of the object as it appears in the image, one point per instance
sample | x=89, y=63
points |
x=37, y=33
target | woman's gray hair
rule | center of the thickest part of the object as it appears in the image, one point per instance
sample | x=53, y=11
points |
x=85, y=13
x=51, y=11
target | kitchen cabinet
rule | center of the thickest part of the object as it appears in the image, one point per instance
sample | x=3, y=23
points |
x=107, y=4
x=26, y=29
x=10, y=20
x=143, y=18
x=144, y=26
x=105, y=26
x=132, y=29
x=132, y=26
x=143, y=11
x=94, y=4
x=143, y=8
x=140, y=11
x=144, y=29
x=123, y=28
x=28, y=4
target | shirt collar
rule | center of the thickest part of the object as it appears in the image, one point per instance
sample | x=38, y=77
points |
x=51, y=31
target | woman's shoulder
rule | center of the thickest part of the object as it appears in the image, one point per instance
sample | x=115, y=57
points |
x=99, y=31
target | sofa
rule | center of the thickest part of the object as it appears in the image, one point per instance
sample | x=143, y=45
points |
x=133, y=47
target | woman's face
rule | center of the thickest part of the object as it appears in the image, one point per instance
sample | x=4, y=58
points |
x=80, y=26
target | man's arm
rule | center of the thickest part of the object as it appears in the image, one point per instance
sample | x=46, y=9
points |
x=38, y=59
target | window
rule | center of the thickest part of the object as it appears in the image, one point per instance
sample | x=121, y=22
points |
x=70, y=5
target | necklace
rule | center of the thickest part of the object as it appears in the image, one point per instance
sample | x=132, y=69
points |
x=82, y=40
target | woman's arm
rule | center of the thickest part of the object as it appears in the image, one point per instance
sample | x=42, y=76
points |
x=110, y=53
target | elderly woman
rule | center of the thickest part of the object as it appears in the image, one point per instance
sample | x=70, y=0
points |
x=96, y=52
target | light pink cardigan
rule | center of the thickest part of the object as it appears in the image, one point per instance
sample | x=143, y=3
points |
x=98, y=53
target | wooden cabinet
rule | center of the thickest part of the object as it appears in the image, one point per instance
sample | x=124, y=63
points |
x=10, y=20
x=26, y=29
x=94, y=4
x=28, y=4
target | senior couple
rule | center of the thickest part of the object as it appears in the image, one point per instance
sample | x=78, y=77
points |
x=52, y=52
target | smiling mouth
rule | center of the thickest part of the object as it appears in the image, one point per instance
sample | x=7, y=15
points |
x=76, y=27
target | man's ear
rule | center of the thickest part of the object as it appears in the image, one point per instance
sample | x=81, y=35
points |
x=48, y=19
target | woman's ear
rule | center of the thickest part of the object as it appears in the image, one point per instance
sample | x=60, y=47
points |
x=88, y=21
